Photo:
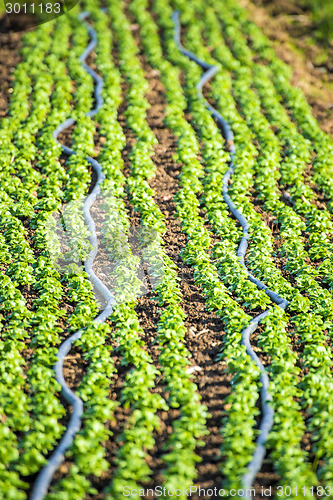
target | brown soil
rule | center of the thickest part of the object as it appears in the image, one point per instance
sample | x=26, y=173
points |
x=316, y=81
x=9, y=56
x=17, y=23
x=298, y=22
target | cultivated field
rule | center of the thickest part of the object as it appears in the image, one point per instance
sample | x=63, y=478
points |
x=166, y=262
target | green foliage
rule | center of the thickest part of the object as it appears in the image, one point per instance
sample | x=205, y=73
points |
x=322, y=15
x=276, y=138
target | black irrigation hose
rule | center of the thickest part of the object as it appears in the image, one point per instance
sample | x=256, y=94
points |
x=44, y=478
x=267, y=411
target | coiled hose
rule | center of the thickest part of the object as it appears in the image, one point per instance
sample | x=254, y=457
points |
x=267, y=411
x=45, y=476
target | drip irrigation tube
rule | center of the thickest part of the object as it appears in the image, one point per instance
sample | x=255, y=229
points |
x=267, y=411
x=45, y=476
